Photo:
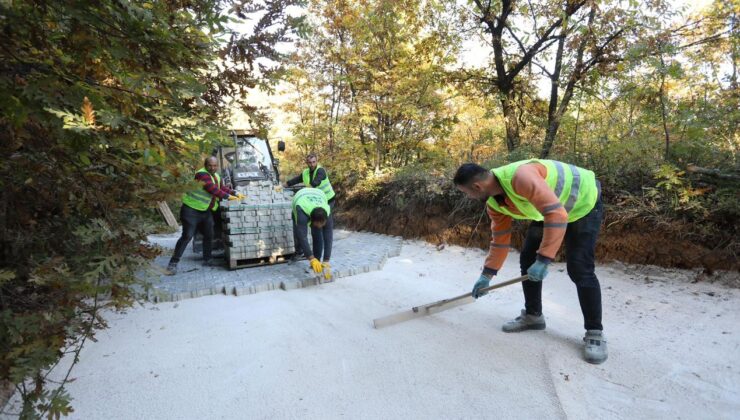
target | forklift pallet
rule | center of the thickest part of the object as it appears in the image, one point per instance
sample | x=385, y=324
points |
x=256, y=262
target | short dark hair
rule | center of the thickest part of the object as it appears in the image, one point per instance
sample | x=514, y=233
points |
x=468, y=173
x=318, y=215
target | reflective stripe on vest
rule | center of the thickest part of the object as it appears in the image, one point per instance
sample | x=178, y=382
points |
x=575, y=188
x=324, y=186
x=200, y=199
x=309, y=199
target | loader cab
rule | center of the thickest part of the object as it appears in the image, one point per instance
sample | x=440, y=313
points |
x=246, y=158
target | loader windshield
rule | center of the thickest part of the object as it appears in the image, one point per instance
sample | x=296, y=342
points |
x=251, y=160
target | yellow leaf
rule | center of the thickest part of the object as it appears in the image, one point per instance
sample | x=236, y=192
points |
x=88, y=114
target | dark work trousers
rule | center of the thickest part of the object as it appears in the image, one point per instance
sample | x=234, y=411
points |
x=191, y=219
x=324, y=238
x=218, y=231
x=580, y=244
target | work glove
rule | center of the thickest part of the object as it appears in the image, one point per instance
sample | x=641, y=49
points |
x=483, y=281
x=537, y=271
x=278, y=188
x=240, y=196
x=233, y=197
x=316, y=265
x=327, y=270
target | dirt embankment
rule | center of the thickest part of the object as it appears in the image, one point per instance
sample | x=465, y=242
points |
x=432, y=210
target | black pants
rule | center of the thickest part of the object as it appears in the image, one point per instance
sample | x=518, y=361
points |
x=191, y=220
x=323, y=238
x=218, y=231
x=580, y=246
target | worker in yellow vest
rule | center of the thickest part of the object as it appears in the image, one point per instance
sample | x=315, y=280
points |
x=564, y=203
x=197, y=210
x=311, y=209
x=315, y=176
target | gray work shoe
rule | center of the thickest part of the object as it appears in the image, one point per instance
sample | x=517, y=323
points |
x=297, y=257
x=594, y=349
x=524, y=322
x=171, y=269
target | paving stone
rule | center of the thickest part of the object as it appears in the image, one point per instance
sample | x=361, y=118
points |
x=353, y=253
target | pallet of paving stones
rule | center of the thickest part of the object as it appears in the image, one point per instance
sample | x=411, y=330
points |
x=259, y=229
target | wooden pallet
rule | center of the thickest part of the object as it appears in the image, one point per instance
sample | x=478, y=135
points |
x=235, y=264
x=165, y=211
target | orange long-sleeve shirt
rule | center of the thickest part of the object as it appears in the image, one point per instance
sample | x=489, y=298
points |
x=528, y=182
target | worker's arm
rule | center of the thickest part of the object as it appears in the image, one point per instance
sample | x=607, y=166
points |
x=320, y=176
x=210, y=186
x=302, y=232
x=500, y=242
x=295, y=180
x=529, y=182
x=228, y=190
x=499, y=248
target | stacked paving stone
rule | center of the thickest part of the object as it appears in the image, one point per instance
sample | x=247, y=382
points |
x=258, y=229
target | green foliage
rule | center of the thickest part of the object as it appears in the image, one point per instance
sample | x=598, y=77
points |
x=106, y=108
x=369, y=79
x=371, y=185
x=674, y=188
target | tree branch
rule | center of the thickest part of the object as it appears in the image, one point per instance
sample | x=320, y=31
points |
x=715, y=37
x=534, y=17
x=535, y=48
x=513, y=35
x=543, y=68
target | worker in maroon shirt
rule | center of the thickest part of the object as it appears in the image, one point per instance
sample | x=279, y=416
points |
x=197, y=211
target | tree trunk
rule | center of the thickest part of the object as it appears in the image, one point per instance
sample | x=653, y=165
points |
x=553, y=120
x=556, y=111
x=507, y=74
x=378, y=143
x=663, y=110
x=575, y=132
x=508, y=105
x=334, y=103
x=734, y=54
x=363, y=142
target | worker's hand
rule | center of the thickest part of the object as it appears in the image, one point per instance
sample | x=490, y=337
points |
x=278, y=188
x=327, y=270
x=240, y=196
x=233, y=197
x=483, y=281
x=537, y=271
x=316, y=265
